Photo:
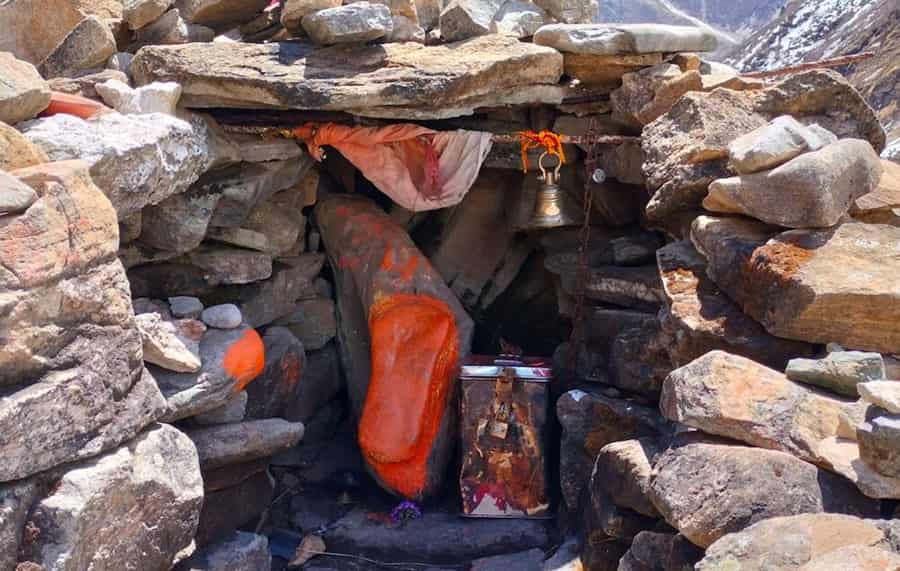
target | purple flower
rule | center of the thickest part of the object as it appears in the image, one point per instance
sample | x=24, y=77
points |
x=405, y=511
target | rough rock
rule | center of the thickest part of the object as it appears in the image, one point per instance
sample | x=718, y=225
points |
x=605, y=39
x=656, y=551
x=220, y=14
x=15, y=195
x=139, y=13
x=623, y=469
x=256, y=149
x=152, y=98
x=885, y=198
x=879, y=444
x=698, y=317
x=570, y=11
x=531, y=559
x=687, y=148
x=183, y=306
x=170, y=29
x=224, y=316
x=283, y=377
x=839, y=371
x=188, y=394
x=223, y=265
x=604, y=520
x=519, y=18
x=605, y=72
x=833, y=285
x=281, y=221
x=136, y=160
x=813, y=190
x=639, y=360
x=293, y=11
x=313, y=321
x=464, y=19
x=387, y=75
x=263, y=302
x=228, y=444
x=242, y=237
x=353, y=23
x=234, y=410
x=86, y=85
x=855, y=557
x=17, y=152
x=230, y=508
x=883, y=394
x=87, y=46
x=405, y=30
x=590, y=421
x=241, y=551
x=652, y=92
x=70, y=343
x=436, y=537
x=708, y=489
x=731, y=396
x=789, y=542
x=23, y=92
x=120, y=62
x=133, y=508
x=171, y=345
x=775, y=144
x=246, y=187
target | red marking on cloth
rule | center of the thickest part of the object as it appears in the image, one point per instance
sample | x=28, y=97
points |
x=245, y=359
x=73, y=105
x=415, y=348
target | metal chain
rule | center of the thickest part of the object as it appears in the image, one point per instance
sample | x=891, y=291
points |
x=576, y=340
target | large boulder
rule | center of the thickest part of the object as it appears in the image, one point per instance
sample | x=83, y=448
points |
x=731, y=396
x=397, y=74
x=463, y=19
x=775, y=144
x=707, y=489
x=698, y=317
x=353, y=23
x=813, y=190
x=136, y=160
x=688, y=148
x=651, y=92
x=832, y=285
x=23, y=93
x=839, y=371
x=134, y=508
x=790, y=542
x=623, y=469
x=70, y=362
x=402, y=333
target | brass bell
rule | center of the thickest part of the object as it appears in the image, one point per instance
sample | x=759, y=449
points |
x=549, y=211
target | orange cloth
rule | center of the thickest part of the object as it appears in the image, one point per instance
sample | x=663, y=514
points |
x=548, y=139
x=418, y=168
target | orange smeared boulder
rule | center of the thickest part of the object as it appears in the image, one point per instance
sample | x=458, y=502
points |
x=245, y=359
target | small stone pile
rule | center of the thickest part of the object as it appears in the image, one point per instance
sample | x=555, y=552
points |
x=173, y=359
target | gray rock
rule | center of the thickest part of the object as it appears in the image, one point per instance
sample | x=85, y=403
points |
x=463, y=19
x=223, y=265
x=23, y=92
x=883, y=394
x=839, y=371
x=707, y=489
x=649, y=93
x=256, y=149
x=225, y=316
x=650, y=551
x=234, y=410
x=879, y=444
x=623, y=470
x=353, y=23
x=788, y=543
x=605, y=39
x=171, y=29
x=87, y=46
x=313, y=321
x=236, y=506
x=241, y=551
x=133, y=508
x=227, y=444
x=531, y=559
x=183, y=306
x=436, y=537
x=16, y=151
x=139, y=13
x=813, y=190
x=136, y=160
x=775, y=144
x=121, y=62
x=293, y=11
x=275, y=75
x=188, y=394
x=248, y=186
x=152, y=98
x=855, y=557
x=571, y=11
x=15, y=195
x=171, y=345
x=70, y=367
x=406, y=30
x=85, y=85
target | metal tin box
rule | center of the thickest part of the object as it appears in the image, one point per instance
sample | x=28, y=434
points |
x=504, y=420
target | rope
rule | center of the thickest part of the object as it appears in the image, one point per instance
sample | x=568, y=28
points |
x=549, y=140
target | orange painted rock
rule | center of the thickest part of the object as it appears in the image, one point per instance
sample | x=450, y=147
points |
x=402, y=334
x=231, y=359
x=73, y=105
